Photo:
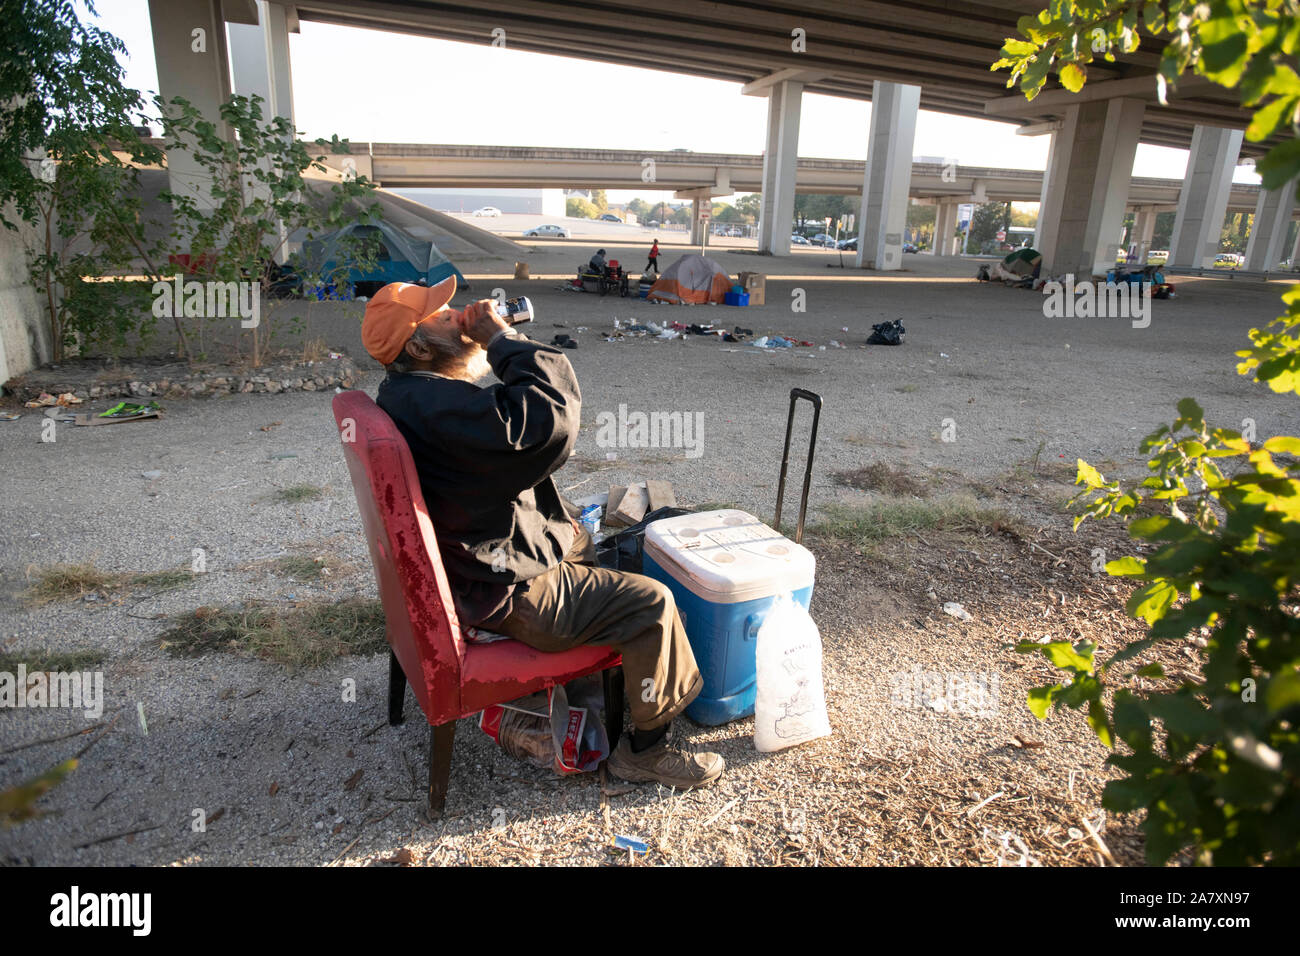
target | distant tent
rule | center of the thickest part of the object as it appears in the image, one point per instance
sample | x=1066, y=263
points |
x=691, y=280
x=401, y=257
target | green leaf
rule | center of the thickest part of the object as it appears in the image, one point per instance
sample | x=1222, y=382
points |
x=1269, y=118
x=1072, y=77
x=1152, y=601
x=1126, y=567
x=1039, y=700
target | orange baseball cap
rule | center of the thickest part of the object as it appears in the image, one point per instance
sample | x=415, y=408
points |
x=395, y=310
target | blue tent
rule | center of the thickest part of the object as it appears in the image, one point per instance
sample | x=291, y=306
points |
x=401, y=257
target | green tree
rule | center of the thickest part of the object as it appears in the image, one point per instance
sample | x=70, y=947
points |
x=639, y=208
x=1213, y=758
x=681, y=216
x=985, y=222
x=65, y=118
x=252, y=184
x=750, y=206
x=599, y=201
x=578, y=208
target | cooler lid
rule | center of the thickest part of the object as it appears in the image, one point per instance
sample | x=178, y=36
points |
x=729, y=554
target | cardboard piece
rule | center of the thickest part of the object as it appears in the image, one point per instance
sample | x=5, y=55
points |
x=660, y=494
x=755, y=284
x=89, y=418
x=632, y=507
x=616, y=493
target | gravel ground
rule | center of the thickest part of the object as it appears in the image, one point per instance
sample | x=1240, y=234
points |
x=274, y=752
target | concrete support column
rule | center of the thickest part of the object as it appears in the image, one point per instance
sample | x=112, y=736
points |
x=696, y=228
x=1080, y=223
x=260, y=58
x=780, y=161
x=189, y=48
x=1268, y=230
x=1295, y=252
x=888, y=175
x=1144, y=230
x=1042, y=193
x=259, y=55
x=1203, y=200
x=945, y=225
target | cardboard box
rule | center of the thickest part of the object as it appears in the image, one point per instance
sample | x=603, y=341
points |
x=755, y=284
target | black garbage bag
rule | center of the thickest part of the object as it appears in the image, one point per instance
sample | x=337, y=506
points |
x=622, y=551
x=887, y=333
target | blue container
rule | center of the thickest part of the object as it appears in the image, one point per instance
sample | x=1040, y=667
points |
x=725, y=569
x=736, y=298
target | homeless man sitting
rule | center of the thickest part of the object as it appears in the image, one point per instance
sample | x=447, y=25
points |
x=517, y=562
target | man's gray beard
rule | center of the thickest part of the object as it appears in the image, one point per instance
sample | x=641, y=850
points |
x=476, y=363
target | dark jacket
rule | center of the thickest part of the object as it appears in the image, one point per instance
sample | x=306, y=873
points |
x=485, y=457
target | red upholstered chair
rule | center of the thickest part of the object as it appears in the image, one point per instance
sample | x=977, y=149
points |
x=450, y=677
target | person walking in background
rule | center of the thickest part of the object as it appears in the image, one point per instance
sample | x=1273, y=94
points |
x=653, y=262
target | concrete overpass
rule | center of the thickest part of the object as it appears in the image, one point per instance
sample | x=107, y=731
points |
x=931, y=54
x=408, y=165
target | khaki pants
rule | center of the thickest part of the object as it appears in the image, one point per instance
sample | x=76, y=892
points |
x=580, y=603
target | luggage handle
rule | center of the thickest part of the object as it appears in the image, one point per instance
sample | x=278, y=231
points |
x=816, y=400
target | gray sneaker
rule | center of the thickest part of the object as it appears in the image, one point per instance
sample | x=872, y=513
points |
x=658, y=764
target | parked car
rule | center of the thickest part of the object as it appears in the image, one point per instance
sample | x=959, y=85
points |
x=798, y=241
x=555, y=232
x=610, y=217
x=849, y=245
x=490, y=211
x=910, y=247
x=821, y=239
x=1227, y=260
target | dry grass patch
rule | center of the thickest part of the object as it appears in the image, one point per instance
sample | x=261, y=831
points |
x=884, y=478
x=296, y=494
x=865, y=525
x=68, y=582
x=303, y=635
x=48, y=660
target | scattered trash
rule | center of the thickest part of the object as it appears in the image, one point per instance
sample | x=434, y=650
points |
x=46, y=399
x=623, y=842
x=944, y=355
x=150, y=475
x=1024, y=743
x=590, y=519
x=956, y=610
x=887, y=333
x=9, y=416
x=122, y=412
x=60, y=414
x=611, y=456
x=564, y=342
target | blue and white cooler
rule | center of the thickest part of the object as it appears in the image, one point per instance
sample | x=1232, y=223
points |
x=725, y=569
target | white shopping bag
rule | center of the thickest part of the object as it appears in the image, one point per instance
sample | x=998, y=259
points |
x=790, y=704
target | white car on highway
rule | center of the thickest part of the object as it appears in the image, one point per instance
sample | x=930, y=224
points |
x=555, y=232
x=491, y=211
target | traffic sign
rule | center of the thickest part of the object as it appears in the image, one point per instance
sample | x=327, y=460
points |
x=1002, y=235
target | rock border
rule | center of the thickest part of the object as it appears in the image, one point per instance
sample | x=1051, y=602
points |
x=179, y=380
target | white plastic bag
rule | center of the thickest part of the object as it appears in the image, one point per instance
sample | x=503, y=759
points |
x=790, y=704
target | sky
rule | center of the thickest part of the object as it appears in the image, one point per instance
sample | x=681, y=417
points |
x=367, y=85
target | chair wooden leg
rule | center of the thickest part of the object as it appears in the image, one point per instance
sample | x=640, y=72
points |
x=441, y=739
x=613, y=680
x=396, y=689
